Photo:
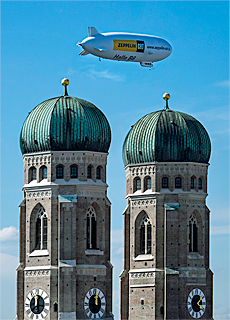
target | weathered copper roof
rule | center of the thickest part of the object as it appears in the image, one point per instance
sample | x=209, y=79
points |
x=165, y=136
x=65, y=123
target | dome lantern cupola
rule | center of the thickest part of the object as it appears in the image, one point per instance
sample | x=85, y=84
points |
x=166, y=136
x=65, y=123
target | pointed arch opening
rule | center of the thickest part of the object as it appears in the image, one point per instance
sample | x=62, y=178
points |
x=136, y=184
x=42, y=173
x=165, y=182
x=60, y=172
x=91, y=228
x=38, y=228
x=41, y=230
x=193, y=234
x=147, y=183
x=89, y=172
x=146, y=226
x=73, y=171
x=98, y=172
x=143, y=234
x=32, y=174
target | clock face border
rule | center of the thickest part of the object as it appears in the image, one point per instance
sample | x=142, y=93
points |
x=193, y=297
x=91, y=294
x=43, y=294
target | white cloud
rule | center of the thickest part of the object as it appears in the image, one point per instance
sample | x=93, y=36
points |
x=223, y=84
x=70, y=71
x=213, y=114
x=8, y=265
x=106, y=75
x=222, y=312
x=215, y=230
x=117, y=236
x=9, y=234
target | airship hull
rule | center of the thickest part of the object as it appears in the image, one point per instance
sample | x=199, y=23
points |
x=126, y=47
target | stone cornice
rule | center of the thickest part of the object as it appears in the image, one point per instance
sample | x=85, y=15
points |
x=65, y=157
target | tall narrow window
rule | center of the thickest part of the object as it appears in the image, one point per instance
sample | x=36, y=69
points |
x=200, y=184
x=178, y=182
x=59, y=172
x=89, y=172
x=192, y=183
x=165, y=183
x=148, y=183
x=91, y=228
x=44, y=173
x=41, y=230
x=98, y=173
x=193, y=234
x=73, y=172
x=145, y=238
x=34, y=174
x=55, y=307
x=137, y=184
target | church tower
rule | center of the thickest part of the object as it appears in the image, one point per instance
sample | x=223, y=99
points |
x=65, y=270
x=166, y=272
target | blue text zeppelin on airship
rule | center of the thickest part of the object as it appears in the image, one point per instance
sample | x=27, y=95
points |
x=124, y=46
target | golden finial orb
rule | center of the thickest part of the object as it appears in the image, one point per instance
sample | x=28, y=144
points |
x=65, y=82
x=166, y=96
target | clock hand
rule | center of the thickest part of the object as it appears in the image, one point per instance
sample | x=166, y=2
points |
x=96, y=299
x=198, y=303
x=36, y=300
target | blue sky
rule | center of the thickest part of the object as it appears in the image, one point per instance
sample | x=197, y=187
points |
x=38, y=42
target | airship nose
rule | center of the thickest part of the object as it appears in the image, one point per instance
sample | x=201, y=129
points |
x=168, y=49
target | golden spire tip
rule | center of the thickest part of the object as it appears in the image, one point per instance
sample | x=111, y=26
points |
x=166, y=96
x=65, y=82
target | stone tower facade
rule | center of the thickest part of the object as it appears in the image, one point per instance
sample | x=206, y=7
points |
x=166, y=272
x=65, y=270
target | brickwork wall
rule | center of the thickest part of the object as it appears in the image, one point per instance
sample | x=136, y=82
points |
x=191, y=268
x=67, y=270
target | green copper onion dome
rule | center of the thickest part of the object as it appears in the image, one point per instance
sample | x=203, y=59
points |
x=167, y=136
x=65, y=124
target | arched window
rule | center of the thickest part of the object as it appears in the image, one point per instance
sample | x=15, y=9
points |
x=98, y=173
x=192, y=183
x=137, y=184
x=59, y=172
x=91, y=228
x=145, y=238
x=55, y=307
x=200, y=184
x=89, y=172
x=193, y=234
x=41, y=230
x=165, y=182
x=178, y=182
x=73, y=172
x=147, y=183
x=32, y=174
x=44, y=173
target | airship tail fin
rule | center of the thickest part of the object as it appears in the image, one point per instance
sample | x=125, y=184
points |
x=83, y=53
x=92, y=31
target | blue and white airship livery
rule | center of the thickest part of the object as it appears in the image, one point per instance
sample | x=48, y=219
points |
x=123, y=46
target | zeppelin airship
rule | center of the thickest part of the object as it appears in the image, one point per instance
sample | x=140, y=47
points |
x=122, y=46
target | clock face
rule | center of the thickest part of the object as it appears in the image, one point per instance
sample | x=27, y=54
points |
x=196, y=303
x=94, y=303
x=37, y=304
